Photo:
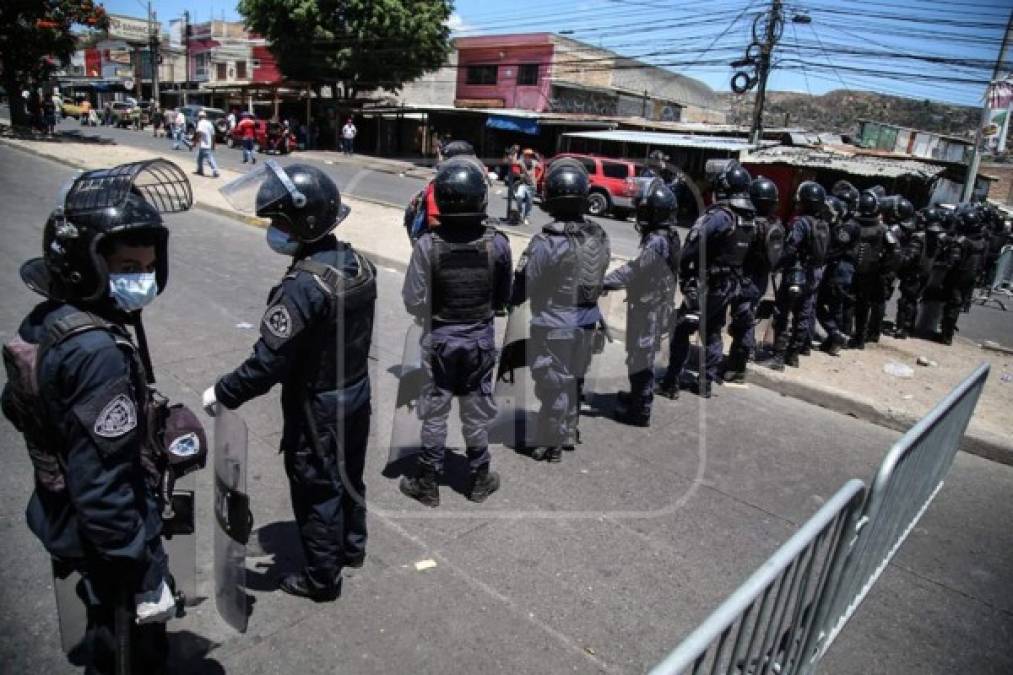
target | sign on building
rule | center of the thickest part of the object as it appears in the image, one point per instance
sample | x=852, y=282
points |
x=129, y=28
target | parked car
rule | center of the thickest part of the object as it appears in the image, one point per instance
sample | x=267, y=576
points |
x=124, y=113
x=215, y=115
x=612, y=183
x=268, y=137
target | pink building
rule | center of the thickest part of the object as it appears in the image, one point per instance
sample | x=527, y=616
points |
x=545, y=72
x=505, y=71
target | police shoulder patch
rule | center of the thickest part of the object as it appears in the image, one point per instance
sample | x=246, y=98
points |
x=185, y=446
x=117, y=417
x=278, y=321
x=843, y=236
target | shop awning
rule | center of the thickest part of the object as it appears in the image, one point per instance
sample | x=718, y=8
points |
x=524, y=125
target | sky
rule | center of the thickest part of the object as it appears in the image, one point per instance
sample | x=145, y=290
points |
x=942, y=50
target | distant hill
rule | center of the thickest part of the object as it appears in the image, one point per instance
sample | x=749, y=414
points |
x=840, y=111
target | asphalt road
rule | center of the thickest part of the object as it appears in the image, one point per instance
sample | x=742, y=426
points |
x=598, y=564
x=387, y=188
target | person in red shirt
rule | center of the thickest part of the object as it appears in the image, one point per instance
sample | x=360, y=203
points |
x=247, y=132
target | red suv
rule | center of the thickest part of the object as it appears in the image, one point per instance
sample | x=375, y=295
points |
x=612, y=184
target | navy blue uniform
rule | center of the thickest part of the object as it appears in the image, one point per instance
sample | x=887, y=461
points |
x=752, y=287
x=725, y=239
x=800, y=257
x=458, y=356
x=650, y=281
x=835, y=294
x=562, y=324
x=325, y=403
x=873, y=258
x=106, y=523
x=912, y=274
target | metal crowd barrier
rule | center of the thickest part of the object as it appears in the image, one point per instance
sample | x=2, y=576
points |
x=761, y=627
x=908, y=480
x=1002, y=281
x=787, y=614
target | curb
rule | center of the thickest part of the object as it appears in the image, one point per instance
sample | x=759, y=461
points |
x=982, y=444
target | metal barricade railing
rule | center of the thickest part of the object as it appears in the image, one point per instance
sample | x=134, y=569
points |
x=1002, y=281
x=788, y=613
x=764, y=625
x=907, y=481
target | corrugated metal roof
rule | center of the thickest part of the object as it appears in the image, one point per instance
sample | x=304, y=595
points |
x=659, y=139
x=857, y=165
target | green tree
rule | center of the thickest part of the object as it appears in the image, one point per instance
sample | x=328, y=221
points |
x=36, y=39
x=360, y=44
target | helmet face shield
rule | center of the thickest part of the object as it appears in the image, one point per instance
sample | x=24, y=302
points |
x=159, y=182
x=262, y=191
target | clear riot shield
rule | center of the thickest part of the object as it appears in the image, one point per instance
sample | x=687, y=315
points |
x=607, y=373
x=180, y=544
x=405, y=440
x=514, y=389
x=233, y=520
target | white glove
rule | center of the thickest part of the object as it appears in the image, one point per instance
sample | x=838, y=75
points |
x=156, y=606
x=209, y=402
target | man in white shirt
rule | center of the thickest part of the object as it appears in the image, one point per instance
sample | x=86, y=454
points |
x=230, y=120
x=348, y=135
x=205, y=144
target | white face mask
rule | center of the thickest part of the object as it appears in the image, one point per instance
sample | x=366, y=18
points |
x=131, y=292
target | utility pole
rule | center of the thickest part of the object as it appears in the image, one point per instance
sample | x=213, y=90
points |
x=155, y=58
x=972, y=167
x=186, y=48
x=775, y=19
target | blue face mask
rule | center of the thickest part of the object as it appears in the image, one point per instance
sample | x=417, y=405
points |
x=280, y=242
x=131, y=292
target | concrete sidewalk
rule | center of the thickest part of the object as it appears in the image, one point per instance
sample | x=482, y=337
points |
x=854, y=384
x=598, y=564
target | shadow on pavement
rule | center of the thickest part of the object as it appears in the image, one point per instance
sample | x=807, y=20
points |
x=279, y=541
x=188, y=654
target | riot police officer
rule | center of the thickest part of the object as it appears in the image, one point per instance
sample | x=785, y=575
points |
x=874, y=251
x=314, y=339
x=912, y=268
x=835, y=292
x=964, y=255
x=562, y=271
x=650, y=282
x=712, y=271
x=805, y=247
x=458, y=277
x=78, y=389
x=763, y=258
x=898, y=215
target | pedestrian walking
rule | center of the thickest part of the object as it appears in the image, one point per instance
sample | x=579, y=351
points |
x=247, y=128
x=178, y=131
x=348, y=133
x=205, y=139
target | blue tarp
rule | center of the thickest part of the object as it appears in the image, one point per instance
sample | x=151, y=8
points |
x=524, y=125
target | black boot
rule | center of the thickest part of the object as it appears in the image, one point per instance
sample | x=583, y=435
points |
x=668, y=389
x=791, y=359
x=735, y=369
x=833, y=344
x=806, y=349
x=900, y=334
x=297, y=584
x=483, y=484
x=856, y=343
x=631, y=410
x=423, y=486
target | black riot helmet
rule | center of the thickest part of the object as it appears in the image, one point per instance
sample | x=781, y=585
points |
x=656, y=206
x=868, y=204
x=566, y=189
x=835, y=210
x=931, y=218
x=300, y=200
x=730, y=182
x=968, y=219
x=810, y=197
x=896, y=209
x=763, y=194
x=461, y=192
x=100, y=208
x=847, y=193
